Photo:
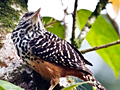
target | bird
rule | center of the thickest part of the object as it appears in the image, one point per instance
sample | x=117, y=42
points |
x=48, y=54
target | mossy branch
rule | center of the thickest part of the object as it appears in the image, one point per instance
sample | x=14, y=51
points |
x=100, y=6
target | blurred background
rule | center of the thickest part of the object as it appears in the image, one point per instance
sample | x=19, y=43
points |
x=12, y=10
x=55, y=9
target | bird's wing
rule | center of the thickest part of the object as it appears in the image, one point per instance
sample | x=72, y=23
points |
x=86, y=61
x=58, y=51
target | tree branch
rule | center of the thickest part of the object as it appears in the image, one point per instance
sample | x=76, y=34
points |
x=100, y=6
x=64, y=24
x=100, y=47
x=74, y=22
x=50, y=23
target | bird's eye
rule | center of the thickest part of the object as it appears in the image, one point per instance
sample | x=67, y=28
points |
x=26, y=15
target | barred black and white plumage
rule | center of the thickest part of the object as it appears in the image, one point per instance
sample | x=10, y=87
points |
x=33, y=41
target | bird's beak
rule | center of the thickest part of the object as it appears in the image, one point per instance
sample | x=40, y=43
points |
x=36, y=15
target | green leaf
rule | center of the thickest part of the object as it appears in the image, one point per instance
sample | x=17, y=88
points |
x=102, y=33
x=8, y=86
x=56, y=27
x=75, y=85
x=1, y=88
x=93, y=88
x=82, y=17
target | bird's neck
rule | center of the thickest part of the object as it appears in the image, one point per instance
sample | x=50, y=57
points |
x=38, y=28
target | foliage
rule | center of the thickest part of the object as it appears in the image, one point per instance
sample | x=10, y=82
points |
x=4, y=85
x=54, y=26
x=1, y=88
x=75, y=85
x=102, y=33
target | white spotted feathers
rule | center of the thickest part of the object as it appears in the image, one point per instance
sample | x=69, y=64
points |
x=33, y=41
x=57, y=51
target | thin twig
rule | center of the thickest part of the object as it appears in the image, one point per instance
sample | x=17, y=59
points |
x=62, y=3
x=64, y=24
x=50, y=23
x=74, y=22
x=100, y=47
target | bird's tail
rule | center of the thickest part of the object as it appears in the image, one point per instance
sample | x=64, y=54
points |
x=96, y=84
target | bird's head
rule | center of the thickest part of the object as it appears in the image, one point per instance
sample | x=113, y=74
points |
x=31, y=22
x=32, y=18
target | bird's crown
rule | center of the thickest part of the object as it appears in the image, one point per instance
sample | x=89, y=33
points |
x=33, y=16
